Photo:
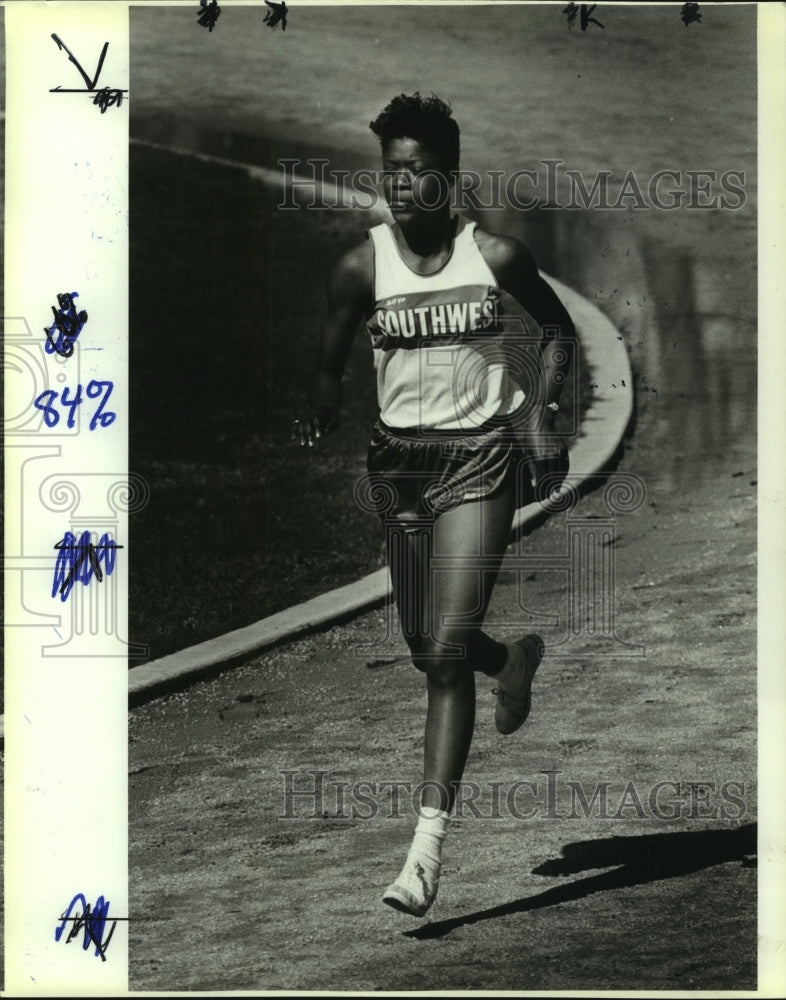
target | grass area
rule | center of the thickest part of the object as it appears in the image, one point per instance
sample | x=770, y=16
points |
x=226, y=302
x=227, y=299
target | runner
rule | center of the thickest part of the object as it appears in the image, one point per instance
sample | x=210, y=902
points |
x=446, y=465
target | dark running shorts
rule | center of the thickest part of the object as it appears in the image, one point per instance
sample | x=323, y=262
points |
x=417, y=474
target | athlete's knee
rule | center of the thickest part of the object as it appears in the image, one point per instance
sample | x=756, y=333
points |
x=444, y=663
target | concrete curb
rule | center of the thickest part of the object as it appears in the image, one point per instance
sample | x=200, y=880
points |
x=209, y=658
x=604, y=425
x=602, y=430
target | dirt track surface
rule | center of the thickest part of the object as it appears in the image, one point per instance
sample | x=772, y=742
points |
x=243, y=898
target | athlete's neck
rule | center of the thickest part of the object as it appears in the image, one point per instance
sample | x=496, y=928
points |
x=428, y=236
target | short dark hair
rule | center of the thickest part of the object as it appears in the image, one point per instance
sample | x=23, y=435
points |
x=428, y=120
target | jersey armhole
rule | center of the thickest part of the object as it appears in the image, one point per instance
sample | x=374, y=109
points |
x=370, y=236
x=496, y=282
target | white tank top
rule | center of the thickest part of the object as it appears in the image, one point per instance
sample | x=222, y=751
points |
x=438, y=344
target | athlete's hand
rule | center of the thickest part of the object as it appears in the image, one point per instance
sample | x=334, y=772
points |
x=546, y=455
x=548, y=464
x=310, y=428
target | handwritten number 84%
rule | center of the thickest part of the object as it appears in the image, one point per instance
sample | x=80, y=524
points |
x=94, y=389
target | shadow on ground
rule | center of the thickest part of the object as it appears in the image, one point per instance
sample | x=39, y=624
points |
x=637, y=861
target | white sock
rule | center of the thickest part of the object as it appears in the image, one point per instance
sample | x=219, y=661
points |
x=512, y=674
x=429, y=835
x=420, y=874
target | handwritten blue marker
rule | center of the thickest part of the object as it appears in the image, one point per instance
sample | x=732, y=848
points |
x=91, y=921
x=45, y=402
x=78, y=561
x=67, y=325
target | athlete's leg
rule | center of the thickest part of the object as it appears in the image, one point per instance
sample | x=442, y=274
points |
x=453, y=596
x=408, y=548
x=468, y=547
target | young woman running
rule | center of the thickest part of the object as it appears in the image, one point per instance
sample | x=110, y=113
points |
x=443, y=460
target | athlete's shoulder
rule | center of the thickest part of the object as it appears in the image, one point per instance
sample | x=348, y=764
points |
x=505, y=255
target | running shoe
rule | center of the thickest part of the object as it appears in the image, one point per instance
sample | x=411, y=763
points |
x=514, y=706
x=411, y=892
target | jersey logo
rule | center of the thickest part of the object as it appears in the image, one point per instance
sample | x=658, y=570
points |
x=422, y=318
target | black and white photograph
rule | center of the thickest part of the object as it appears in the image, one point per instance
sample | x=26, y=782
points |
x=452, y=586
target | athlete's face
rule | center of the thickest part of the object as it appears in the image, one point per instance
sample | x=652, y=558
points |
x=414, y=180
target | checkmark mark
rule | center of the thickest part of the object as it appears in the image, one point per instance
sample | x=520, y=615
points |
x=90, y=84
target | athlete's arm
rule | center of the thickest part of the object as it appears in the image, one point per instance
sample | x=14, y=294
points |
x=349, y=297
x=516, y=271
